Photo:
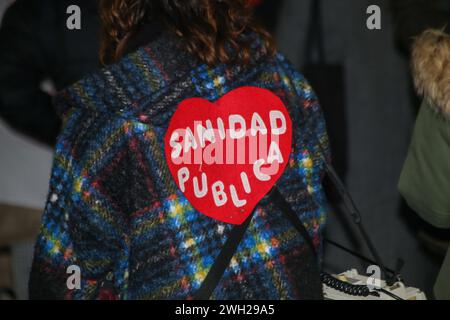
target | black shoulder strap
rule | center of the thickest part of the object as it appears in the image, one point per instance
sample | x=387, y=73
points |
x=222, y=261
x=293, y=218
x=229, y=249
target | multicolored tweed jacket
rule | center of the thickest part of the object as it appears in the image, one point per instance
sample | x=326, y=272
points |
x=114, y=210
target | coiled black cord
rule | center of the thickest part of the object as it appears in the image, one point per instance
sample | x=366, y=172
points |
x=345, y=287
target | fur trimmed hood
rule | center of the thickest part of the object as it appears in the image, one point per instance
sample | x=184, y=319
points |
x=431, y=68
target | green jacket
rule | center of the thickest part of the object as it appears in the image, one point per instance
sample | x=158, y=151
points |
x=425, y=179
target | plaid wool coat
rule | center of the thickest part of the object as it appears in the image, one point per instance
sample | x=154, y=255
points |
x=115, y=212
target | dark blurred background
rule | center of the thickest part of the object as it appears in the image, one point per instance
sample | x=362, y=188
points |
x=362, y=78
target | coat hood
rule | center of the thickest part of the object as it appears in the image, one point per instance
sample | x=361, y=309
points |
x=431, y=69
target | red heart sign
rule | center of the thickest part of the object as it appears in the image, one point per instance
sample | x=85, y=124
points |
x=226, y=156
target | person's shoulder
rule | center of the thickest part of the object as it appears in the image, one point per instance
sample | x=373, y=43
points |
x=282, y=61
x=293, y=78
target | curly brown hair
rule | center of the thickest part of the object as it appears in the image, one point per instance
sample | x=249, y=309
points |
x=210, y=28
